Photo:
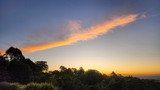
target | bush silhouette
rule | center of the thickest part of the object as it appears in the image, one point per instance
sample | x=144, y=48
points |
x=8, y=86
x=40, y=86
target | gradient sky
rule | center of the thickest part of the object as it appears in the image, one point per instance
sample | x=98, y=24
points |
x=107, y=35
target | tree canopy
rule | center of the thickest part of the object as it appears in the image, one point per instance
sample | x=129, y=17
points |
x=14, y=67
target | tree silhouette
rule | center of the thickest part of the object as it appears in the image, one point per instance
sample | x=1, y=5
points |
x=4, y=74
x=41, y=66
x=92, y=77
x=19, y=72
x=15, y=53
x=23, y=70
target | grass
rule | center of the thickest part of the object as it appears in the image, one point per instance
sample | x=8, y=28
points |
x=30, y=86
x=8, y=86
x=40, y=86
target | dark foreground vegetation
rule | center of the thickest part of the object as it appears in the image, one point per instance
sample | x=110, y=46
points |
x=30, y=86
x=20, y=73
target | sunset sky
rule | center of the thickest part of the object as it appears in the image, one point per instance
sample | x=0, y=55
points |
x=106, y=35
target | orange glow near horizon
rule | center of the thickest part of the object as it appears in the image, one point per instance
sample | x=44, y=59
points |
x=2, y=51
x=86, y=34
x=133, y=71
x=129, y=71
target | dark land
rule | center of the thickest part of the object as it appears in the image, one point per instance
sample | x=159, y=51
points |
x=20, y=73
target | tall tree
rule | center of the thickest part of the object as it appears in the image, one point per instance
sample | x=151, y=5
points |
x=41, y=66
x=15, y=53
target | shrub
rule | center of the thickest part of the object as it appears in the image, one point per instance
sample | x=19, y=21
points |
x=8, y=86
x=40, y=86
x=30, y=86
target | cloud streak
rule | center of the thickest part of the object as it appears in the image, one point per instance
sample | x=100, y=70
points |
x=83, y=33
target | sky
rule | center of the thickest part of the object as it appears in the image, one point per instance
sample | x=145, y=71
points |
x=106, y=35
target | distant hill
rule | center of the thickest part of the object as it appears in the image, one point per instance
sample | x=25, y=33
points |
x=156, y=77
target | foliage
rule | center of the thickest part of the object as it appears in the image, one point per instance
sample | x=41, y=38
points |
x=14, y=67
x=4, y=74
x=41, y=66
x=8, y=86
x=92, y=77
x=25, y=71
x=30, y=86
x=19, y=72
x=40, y=86
x=71, y=79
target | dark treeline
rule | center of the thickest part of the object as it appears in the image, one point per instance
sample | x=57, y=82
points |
x=14, y=67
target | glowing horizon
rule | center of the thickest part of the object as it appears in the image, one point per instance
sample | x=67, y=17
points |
x=122, y=71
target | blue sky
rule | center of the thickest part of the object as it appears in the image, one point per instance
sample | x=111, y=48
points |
x=127, y=50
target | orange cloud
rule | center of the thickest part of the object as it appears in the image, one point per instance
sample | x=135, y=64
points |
x=2, y=51
x=85, y=34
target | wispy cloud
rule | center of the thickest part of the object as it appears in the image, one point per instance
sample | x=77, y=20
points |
x=82, y=34
x=74, y=25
